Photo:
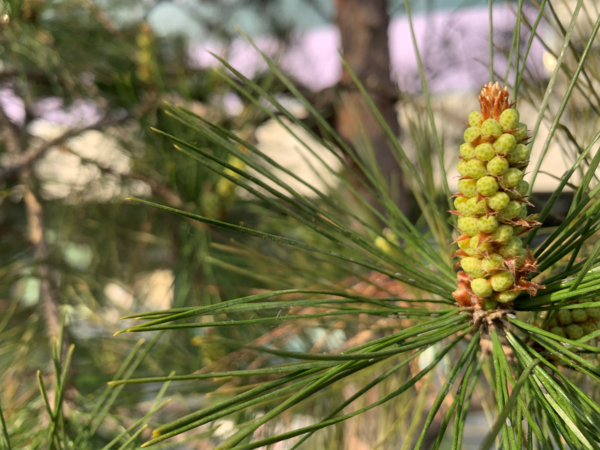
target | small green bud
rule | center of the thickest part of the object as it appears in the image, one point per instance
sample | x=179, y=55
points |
x=492, y=263
x=512, y=248
x=462, y=167
x=509, y=119
x=498, y=201
x=475, y=169
x=558, y=331
x=511, y=177
x=522, y=187
x=485, y=152
x=523, y=212
x=520, y=153
x=593, y=312
x=475, y=119
x=578, y=315
x=460, y=203
x=505, y=144
x=468, y=225
x=521, y=258
x=497, y=166
x=481, y=287
x=472, y=266
x=589, y=327
x=467, y=151
x=487, y=186
x=502, y=234
x=480, y=247
x=475, y=208
x=502, y=281
x=468, y=187
x=464, y=244
x=564, y=317
x=508, y=296
x=511, y=211
x=472, y=134
x=487, y=224
x=491, y=128
x=574, y=331
x=521, y=132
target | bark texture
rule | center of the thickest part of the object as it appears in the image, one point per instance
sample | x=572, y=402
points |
x=363, y=26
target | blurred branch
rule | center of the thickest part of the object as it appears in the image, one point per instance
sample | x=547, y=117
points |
x=32, y=75
x=35, y=220
x=8, y=134
x=35, y=224
x=25, y=159
x=158, y=189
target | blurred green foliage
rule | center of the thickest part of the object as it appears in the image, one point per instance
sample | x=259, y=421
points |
x=107, y=79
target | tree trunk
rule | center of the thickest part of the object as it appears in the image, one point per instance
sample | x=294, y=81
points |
x=363, y=26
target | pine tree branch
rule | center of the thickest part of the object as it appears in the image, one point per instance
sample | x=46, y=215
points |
x=35, y=221
x=24, y=160
x=158, y=188
x=8, y=134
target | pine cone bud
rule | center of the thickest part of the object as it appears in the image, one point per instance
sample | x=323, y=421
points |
x=491, y=205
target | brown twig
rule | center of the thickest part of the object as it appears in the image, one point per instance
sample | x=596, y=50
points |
x=35, y=224
x=23, y=160
x=9, y=135
x=35, y=219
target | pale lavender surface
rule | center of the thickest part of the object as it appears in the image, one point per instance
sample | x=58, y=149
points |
x=80, y=112
x=454, y=48
x=13, y=106
x=50, y=109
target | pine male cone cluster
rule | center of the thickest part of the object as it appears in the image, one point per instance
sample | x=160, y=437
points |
x=492, y=205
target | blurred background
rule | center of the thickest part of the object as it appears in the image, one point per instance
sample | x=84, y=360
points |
x=82, y=84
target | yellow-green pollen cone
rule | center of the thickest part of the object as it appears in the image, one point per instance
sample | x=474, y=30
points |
x=491, y=205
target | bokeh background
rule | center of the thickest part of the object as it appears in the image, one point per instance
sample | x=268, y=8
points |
x=82, y=84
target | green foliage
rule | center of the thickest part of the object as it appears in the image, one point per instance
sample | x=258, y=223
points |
x=325, y=308
x=62, y=418
x=540, y=386
x=116, y=73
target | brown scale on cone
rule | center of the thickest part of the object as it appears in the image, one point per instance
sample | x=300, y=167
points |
x=491, y=206
x=493, y=100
